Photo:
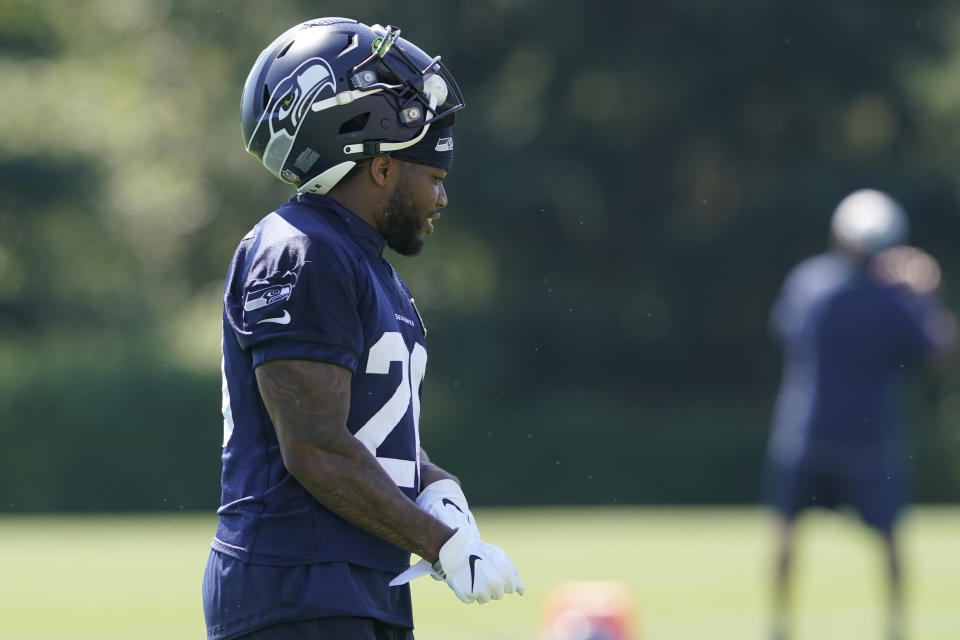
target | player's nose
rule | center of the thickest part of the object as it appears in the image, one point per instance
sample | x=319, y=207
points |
x=442, y=197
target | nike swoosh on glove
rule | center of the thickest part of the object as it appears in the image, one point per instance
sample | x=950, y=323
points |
x=444, y=500
x=476, y=571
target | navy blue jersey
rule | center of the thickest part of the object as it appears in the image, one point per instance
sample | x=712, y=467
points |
x=309, y=282
x=847, y=341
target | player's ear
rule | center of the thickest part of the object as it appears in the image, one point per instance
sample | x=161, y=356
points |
x=383, y=170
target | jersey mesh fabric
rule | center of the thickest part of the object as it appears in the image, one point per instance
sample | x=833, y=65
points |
x=309, y=282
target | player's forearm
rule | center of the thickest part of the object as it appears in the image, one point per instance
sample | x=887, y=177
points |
x=308, y=403
x=352, y=484
x=430, y=473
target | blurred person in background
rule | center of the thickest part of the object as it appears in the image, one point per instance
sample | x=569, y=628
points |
x=326, y=490
x=851, y=322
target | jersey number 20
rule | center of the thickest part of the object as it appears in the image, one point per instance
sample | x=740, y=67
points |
x=413, y=365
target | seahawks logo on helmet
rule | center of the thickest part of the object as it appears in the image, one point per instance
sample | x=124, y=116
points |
x=288, y=104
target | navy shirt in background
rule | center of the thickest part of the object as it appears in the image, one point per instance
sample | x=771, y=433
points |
x=847, y=340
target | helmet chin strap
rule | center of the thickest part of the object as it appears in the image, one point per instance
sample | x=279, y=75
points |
x=325, y=181
x=344, y=97
x=373, y=148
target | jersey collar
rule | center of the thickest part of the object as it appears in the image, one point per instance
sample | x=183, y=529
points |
x=366, y=237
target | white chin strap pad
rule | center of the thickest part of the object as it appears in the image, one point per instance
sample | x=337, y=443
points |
x=322, y=183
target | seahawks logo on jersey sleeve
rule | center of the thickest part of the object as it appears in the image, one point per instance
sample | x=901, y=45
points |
x=264, y=303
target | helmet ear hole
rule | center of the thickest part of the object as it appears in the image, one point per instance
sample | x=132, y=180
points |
x=356, y=123
x=266, y=96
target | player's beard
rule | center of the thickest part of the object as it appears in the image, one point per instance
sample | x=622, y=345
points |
x=403, y=224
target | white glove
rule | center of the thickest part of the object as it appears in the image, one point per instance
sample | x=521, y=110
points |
x=476, y=571
x=512, y=582
x=444, y=500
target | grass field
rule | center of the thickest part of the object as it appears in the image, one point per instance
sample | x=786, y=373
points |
x=693, y=574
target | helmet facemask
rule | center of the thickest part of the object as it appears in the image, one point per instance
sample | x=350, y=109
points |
x=422, y=95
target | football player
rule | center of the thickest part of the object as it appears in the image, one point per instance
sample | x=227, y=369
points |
x=326, y=490
x=850, y=321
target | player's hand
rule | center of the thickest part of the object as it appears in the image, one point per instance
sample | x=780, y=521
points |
x=444, y=500
x=476, y=571
x=910, y=268
x=512, y=582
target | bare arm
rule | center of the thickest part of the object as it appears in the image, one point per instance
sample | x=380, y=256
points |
x=941, y=326
x=308, y=403
x=917, y=274
x=430, y=473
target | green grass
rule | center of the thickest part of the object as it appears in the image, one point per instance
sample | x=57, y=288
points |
x=692, y=574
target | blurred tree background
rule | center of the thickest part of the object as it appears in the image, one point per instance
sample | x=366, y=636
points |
x=633, y=181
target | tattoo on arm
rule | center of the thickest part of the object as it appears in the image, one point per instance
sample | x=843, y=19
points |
x=311, y=399
x=308, y=403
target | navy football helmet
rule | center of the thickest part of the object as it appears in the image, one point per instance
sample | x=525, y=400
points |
x=333, y=91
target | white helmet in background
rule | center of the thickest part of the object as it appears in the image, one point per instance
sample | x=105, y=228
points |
x=868, y=221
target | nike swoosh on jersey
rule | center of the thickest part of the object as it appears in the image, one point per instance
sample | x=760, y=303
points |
x=473, y=560
x=284, y=319
x=448, y=501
